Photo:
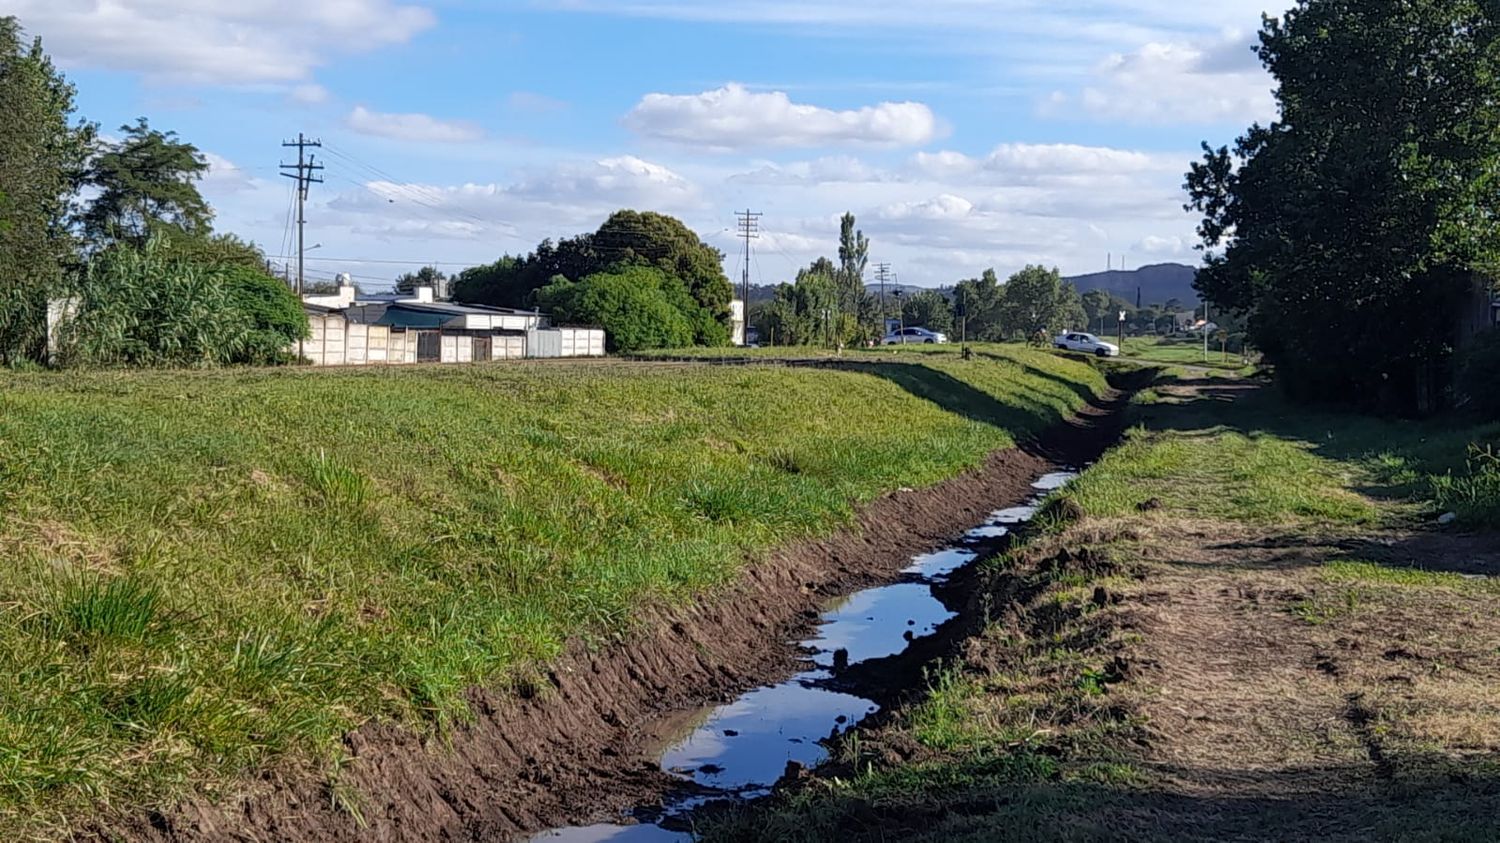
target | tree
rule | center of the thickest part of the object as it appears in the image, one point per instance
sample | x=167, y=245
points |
x=928, y=309
x=275, y=316
x=1037, y=300
x=806, y=313
x=1349, y=230
x=977, y=301
x=854, y=256
x=665, y=243
x=634, y=305
x=1099, y=308
x=427, y=276
x=41, y=161
x=627, y=238
x=147, y=184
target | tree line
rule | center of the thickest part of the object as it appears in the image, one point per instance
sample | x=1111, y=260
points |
x=1359, y=233
x=118, y=230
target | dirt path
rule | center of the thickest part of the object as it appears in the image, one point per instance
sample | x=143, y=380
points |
x=572, y=745
x=1173, y=677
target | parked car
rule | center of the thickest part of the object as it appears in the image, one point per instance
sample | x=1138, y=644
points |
x=1087, y=344
x=915, y=336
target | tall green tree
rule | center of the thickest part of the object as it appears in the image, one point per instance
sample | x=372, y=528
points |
x=854, y=256
x=1099, y=307
x=1349, y=230
x=147, y=184
x=1037, y=300
x=666, y=243
x=928, y=309
x=977, y=304
x=41, y=160
x=627, y=238
x=807, y=312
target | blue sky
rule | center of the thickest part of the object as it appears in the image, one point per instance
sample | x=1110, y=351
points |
x=964, y=134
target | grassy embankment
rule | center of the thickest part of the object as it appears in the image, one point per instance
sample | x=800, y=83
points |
x=1254, y=633
x=208, y=573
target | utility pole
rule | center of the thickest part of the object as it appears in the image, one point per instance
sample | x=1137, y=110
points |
x=306, y=170
x=883, y=274
x=749, y=225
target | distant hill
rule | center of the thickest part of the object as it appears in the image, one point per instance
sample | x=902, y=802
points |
x=1157, y=284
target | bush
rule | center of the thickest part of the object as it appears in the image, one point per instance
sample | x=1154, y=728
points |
x=634, y=305
x=1473, y=497
x=1478, y=370
x=152, y=306
x=276, y=317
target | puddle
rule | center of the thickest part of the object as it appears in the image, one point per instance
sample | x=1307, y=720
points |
x=740, y=750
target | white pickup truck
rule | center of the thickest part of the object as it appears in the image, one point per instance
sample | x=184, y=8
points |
x=1087, y=344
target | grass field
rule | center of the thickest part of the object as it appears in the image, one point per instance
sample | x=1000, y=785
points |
x=1181, y=352
x=208, y=573
x=1254, y=633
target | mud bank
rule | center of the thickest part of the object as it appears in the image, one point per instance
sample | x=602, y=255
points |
x=581, y=745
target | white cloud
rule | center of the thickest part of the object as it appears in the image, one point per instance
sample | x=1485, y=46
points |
x=241, y=42
x=557, y=201
x=1017, y=164
x=224, y=175
x=411, y=127
x=835, y=169
x=1174, y=82
x=734, y=117
x=309, y=94
x=1163, y=247
x=946, y=207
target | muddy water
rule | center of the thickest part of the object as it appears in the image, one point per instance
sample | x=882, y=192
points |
x=740, y=750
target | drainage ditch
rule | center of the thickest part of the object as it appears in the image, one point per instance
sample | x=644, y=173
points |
x=739, y=751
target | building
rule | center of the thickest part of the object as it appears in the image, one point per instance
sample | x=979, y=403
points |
x=349, y=328
x=737, y=332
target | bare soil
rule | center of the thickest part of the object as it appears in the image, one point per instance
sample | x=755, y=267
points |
x=1253, y=691
x=576, y=746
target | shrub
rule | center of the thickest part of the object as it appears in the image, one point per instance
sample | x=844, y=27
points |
x=1478, y=372
x=632, y=304
x=152, y=306
x=1473, y=497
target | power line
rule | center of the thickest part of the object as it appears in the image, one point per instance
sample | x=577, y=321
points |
x=306, y=176
x=882, y=274
x=377, y=261
x=749, y=229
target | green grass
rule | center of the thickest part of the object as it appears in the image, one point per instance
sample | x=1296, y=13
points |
x=1375, y=574
x=208, y=573
x=1259, y=459
x=1182, y=352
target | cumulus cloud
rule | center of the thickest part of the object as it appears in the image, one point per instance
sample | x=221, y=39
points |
x=1173, y=82
x=559, y=200
x=835, y=169
x=734, y=117
x=946, y=207
x=1041, y=164
x=411, y=127
x=190, y=41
